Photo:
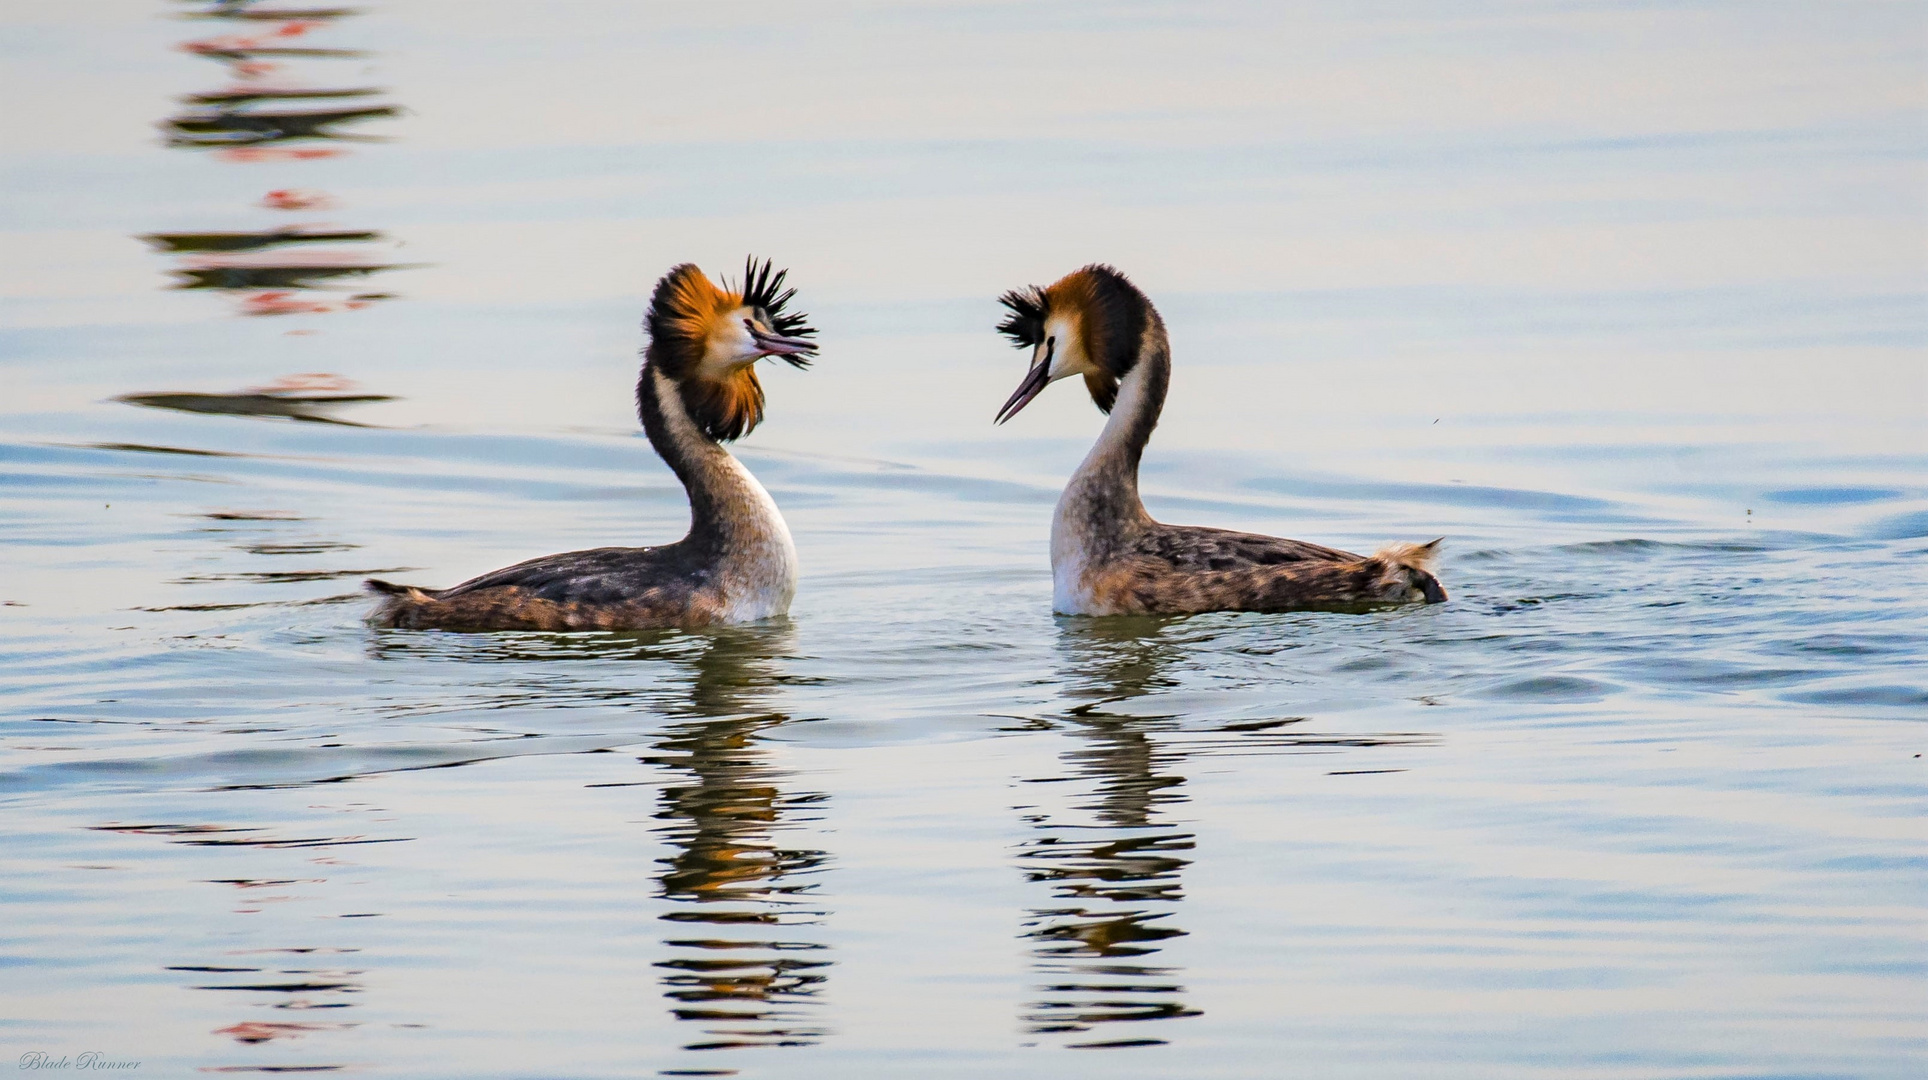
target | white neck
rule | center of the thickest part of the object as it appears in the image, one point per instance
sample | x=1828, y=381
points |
x=1122, y=439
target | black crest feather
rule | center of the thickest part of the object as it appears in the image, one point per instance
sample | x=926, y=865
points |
x=763, y=291
x=1025, y=324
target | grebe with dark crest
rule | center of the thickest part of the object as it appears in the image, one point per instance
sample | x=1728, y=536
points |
x=698, y=390
x=1108, y=557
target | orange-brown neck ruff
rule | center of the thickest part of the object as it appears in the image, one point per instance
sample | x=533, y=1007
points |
x=724, y=409
x=685, y=311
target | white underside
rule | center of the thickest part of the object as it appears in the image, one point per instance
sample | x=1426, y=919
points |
x=759, y=582
x=1068, y=594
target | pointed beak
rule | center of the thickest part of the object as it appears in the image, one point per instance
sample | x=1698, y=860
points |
x=1034, y=383
x=778, y=345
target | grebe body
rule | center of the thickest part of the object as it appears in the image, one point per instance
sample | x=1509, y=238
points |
x=1108, y=556
x=698, y=389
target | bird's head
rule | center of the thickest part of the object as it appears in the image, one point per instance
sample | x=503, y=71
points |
x=1090, y=322
x=707, y=339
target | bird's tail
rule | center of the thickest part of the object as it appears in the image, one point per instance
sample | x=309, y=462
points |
x=389, y=588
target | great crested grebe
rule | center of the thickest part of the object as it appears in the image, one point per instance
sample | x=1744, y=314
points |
x=1108, y=557
x=698, y=390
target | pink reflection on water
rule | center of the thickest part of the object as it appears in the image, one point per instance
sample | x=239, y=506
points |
x=232, y=45
x=284, y=302
x=297, y=199
x=254, y=1032
x=278, y=153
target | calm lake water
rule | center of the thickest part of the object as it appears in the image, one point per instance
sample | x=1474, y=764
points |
x=1625, y=300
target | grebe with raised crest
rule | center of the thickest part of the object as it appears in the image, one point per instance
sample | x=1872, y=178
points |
x=1108, y=557
x=698, y=390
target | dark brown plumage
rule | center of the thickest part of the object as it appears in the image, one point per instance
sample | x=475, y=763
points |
x=601, y=589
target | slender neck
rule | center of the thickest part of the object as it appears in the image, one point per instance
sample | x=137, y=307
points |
x=720, y=488
x=1102, y=496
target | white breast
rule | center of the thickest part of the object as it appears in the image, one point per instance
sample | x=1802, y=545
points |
x=760, y=577
x=1070, y=560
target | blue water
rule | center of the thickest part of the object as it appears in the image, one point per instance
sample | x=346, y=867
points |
x=1624, y=301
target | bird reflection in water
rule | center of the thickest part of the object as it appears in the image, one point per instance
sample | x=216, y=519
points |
x=254, y=112
x=1114, y=862
x=737, y=965
x=311, y=397
x=267, y=114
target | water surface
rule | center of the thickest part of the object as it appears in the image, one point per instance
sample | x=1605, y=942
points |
x=1623, y=300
